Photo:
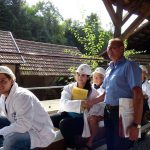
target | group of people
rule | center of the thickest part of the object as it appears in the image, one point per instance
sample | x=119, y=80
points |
x=25, y=125
x=75, y=117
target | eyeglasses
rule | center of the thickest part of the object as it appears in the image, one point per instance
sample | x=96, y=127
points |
x=113, y=47
x=3, y=81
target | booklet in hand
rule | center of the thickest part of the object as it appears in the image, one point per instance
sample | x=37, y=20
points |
x=79, y=94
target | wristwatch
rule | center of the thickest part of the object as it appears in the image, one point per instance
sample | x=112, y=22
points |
x=136, y=125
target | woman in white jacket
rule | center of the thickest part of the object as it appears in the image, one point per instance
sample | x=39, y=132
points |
x=24, y=124
x=72, y=116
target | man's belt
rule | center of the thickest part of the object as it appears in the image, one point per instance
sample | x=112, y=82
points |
x=108, y=106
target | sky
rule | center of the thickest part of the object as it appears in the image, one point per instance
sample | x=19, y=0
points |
x=79, y=9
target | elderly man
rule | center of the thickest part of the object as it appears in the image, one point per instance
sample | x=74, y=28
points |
x=122, y=80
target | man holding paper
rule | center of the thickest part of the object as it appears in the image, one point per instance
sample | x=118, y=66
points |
x=122, y=80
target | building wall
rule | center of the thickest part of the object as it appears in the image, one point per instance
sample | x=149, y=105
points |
x=41, y=81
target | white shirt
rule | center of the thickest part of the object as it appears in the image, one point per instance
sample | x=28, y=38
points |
x=26, y=114
x=100, y=90
x=146, y=90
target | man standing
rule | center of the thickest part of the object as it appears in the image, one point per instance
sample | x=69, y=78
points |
x=122, y=80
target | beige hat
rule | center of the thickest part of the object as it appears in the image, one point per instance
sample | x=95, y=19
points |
x=144, y=68
x=100, y=70
x=84, y=69
x=6, y=70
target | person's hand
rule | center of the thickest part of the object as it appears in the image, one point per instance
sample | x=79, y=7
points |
x=90, y=103
x=145, y=97
x=133, y=133
x=84, y=104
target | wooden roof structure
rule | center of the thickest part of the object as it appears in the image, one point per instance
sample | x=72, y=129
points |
x=141, y=8
x=140, y=39
x=137, y=35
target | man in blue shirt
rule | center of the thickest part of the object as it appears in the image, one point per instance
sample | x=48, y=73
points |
x=122, y=80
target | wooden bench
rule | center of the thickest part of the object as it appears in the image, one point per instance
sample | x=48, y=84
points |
x=52, y=106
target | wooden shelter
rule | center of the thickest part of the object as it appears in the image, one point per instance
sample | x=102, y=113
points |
x=138, y=7
x=137, y=34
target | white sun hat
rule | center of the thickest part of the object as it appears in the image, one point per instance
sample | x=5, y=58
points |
x=144, y=68
x=84, y=69
x=100, y=70
x=8, y=71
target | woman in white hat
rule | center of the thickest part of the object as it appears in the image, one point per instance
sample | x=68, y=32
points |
x=72, y=116
x=96, y=113
x=98, y=77
x=24, y=124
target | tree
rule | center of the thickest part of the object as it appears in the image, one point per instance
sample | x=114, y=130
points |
x=93, y=38
x=40, y=22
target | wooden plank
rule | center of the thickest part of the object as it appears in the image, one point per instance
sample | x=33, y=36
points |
x=111, y=11
x=51, y=106
x=130, y=30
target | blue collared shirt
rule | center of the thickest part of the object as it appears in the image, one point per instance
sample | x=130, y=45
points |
x=120, y=79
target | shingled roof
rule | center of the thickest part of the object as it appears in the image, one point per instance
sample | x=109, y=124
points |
x=9, y=52
x=47, y=59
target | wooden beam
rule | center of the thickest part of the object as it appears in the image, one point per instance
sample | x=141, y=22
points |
x=126, y=17
x=133, y=5
x=134, y=25
x=119, y=12
x=111, y=11
x=142, y=27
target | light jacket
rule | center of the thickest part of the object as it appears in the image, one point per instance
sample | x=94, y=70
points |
x=68, y=105
x=26, y=114
x=99, y=108
x=146, y=90
x=100, y=90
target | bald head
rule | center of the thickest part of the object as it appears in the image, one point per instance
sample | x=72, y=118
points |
x=115, y=49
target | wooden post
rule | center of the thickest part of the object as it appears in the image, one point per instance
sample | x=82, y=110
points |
x=119, y=13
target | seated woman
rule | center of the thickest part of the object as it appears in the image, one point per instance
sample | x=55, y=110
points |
x=96, y=113
x=72, y=116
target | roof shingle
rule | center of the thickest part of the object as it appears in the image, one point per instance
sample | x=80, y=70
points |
x=9, y=52
x=47, y=59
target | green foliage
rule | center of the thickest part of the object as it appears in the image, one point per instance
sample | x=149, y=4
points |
x=94, y=61
x=93, y=38
x=40, y=22
x=128, y=53
x=131, y=52
x=74, y=53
